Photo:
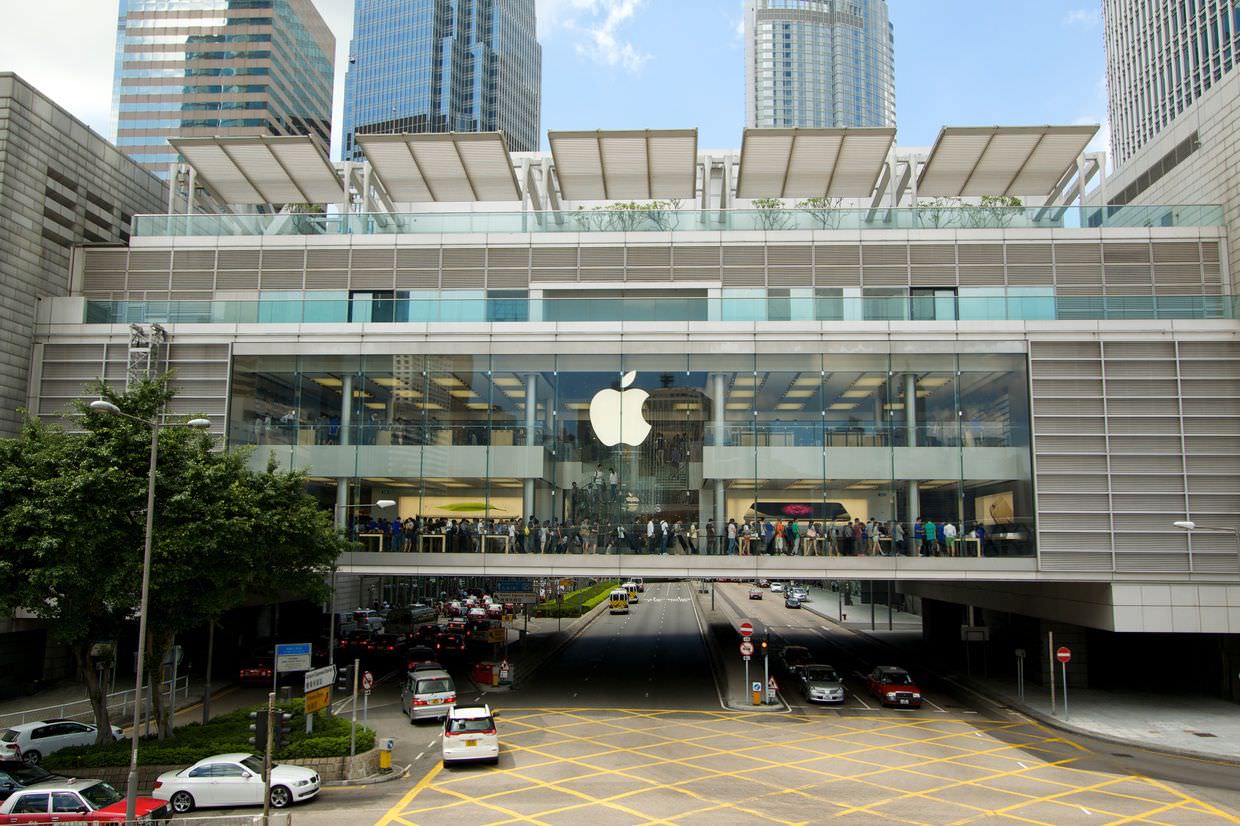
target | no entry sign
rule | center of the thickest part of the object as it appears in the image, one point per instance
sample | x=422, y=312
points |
x=746, y=628
x=1063, y=653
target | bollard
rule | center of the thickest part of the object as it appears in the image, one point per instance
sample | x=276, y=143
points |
x=385, y=754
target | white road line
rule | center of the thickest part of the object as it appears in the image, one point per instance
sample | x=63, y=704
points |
x=430, y=744
x=1022, y=765
x=419, y=757
x=1083, y=809
x=936, y=707
x=868, y=707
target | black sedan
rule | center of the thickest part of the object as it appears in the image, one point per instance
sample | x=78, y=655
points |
x=792, y=602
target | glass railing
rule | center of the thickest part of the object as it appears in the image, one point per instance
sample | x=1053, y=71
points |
x=291, y=430
x=837, y=434
x=930, y=537
x=509, y=310
x=686, y=220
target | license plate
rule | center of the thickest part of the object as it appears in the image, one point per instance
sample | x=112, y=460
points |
x=471, y=742
x=904, y=702
x=436, y=702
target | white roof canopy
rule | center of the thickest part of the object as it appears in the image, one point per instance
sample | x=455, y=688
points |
x=609, y=166
x=451, y=166
x=812, y=163
x=1001, y=160
x=263, y=169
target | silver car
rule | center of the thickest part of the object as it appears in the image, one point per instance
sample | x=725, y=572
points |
x=821, y=684
x=799, y=594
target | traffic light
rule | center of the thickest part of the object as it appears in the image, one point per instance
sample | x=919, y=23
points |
x=765, y=642
x=344, y=678
x=284, y=730
x=258, y=725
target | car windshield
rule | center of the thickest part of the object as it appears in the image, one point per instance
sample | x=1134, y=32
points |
x=897, y=678
x=26, y=773
x=821, y=674
x=9, y=736
x=437, y=686
x=475, y=724
x=101, y=794
x=254, y=763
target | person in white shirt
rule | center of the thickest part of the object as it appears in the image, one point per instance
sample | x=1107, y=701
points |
x=650, y=535
x=949, y=538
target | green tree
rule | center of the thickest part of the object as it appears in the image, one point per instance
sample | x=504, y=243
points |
x=222, y=532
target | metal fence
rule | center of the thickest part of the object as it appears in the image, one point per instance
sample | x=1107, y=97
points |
x=120, y=705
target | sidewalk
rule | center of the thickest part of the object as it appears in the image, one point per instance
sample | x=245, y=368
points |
x=68, y=700
x=543, y=640
x=1200, y=727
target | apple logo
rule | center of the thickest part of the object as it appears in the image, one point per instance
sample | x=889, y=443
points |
x=616, y=415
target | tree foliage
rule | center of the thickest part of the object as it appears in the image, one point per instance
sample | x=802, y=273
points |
x=72, y=524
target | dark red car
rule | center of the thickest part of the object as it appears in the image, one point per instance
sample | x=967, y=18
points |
x=417, y=655
x=77, y=801
x=256, y=672
x=893, y=686
x=450, y=643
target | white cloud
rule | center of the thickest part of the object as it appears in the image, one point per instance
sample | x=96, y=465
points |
x=596, y=24
x=1081, y=17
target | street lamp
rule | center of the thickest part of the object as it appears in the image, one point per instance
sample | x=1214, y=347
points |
x=331, y=623
x=1192, y=527
x=102, y=406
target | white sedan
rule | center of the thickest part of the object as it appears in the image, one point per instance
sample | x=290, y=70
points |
x=234, y=780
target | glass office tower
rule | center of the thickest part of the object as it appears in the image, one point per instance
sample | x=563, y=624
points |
x=819, y=63
x=444, y=66
x=219, y=67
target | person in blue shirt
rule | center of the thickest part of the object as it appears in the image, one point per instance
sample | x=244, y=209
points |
x=919, y=536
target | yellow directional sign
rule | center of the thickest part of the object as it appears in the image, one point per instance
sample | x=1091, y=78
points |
x=318, y=699
x=496, y=635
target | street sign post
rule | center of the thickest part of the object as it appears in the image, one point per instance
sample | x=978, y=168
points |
x=1064, y=655
x=746, y=649
x=293, y=657
x=746, y=628
x=757, y=692
x=771, y=688
x=318, y=691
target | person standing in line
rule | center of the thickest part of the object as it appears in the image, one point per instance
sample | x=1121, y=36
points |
x=650, y=535
x=919, y=536
x=949, y=538
x=781, y=537
x=897, y=537
x=693, y=538
x=613, y=481
x=811, y=539
x=794, y=538
x=932, y=545
x=665, y=531
x=711, y=535
x=732, y=537
x=768, y=537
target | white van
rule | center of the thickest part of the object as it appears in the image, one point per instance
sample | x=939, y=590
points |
x=428, y=695
x=618, y=601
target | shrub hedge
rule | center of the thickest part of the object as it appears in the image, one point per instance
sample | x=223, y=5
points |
x=577, y=602
x=226, y=733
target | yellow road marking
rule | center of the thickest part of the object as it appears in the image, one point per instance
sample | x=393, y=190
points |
x=393, y=814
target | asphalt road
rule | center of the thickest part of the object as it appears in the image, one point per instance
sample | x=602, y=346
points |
x=652, y=657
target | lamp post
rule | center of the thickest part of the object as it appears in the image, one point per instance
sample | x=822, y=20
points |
x=331, y=623
x=102, y=406
x=1192, y=527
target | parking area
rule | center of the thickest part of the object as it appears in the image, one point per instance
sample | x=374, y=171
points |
x=598, y=766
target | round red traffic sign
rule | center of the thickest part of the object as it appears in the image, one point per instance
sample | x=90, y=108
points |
x=368, y=681
x=746, y=629
x=1063, y=654
x=746, y=648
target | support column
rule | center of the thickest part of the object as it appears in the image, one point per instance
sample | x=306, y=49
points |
x=346, y=418
x=531, y=410
x=910, y=424
x=720, y=440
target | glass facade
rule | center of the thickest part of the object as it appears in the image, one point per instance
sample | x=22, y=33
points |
x=219, y=67
x=444, y=66
x=841, y=453
x=819, y=63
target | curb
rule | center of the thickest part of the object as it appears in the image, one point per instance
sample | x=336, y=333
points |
x=1045, y=718
x=372, y=780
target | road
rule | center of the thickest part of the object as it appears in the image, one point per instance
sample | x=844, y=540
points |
x=625, y=726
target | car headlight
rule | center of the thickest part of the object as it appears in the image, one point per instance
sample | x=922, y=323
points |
x=891, y=695
x=303, y=782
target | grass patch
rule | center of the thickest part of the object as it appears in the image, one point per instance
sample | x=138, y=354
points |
x=577, y=602
x=226, y=733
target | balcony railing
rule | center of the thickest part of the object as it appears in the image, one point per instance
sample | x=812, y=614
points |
x=682, y=220
x=397, y=310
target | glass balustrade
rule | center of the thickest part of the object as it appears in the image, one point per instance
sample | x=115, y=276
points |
x=372, y=310
x=928, y=216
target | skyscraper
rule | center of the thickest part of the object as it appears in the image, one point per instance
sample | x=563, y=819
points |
x=1161, y=56
x=219, y=67
x=444, y=66
x=819, y=63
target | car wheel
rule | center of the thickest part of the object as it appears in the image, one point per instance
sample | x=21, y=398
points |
x=32, y=756
x=281, y=797
x=182, y=802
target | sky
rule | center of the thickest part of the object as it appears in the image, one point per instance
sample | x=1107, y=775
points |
x=638, y=64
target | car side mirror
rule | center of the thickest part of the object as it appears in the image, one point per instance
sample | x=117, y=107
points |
x=246, y=775
x=82, y=810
